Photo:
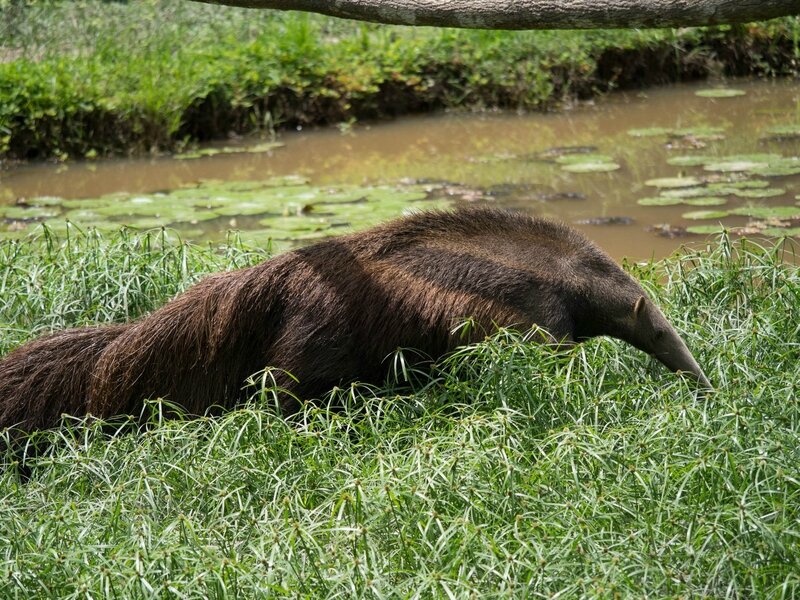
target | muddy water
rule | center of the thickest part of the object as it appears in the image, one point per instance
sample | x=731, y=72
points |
x=495, y=158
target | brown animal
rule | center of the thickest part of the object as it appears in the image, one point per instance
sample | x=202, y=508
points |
x=331, y=313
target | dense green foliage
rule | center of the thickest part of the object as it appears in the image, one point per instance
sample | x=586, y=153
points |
x=511, y=470
x=87, y=77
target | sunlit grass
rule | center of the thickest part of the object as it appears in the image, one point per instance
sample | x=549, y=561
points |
x=510, y=471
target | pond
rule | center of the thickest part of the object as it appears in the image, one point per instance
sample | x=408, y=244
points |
x=641, y=173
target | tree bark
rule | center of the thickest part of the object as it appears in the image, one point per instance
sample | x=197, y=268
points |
x=539, y=14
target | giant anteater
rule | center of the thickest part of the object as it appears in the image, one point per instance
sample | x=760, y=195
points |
x=332, y=312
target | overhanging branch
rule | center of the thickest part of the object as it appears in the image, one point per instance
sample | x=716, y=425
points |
x=539, y=14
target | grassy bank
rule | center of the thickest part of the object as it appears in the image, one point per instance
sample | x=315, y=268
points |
x=513, y=472
x=88, y=78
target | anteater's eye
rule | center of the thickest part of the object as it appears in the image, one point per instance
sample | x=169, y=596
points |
x=659, y=335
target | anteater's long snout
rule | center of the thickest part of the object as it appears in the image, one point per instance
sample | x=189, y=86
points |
x=675, y=355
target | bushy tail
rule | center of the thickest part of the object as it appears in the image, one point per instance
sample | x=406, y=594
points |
x=51, y=376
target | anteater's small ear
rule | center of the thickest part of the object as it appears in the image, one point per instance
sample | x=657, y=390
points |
x=637, y=308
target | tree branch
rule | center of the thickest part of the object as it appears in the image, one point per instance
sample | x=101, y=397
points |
x=539, y=14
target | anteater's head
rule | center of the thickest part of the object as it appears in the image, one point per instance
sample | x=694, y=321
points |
x=613, y=303
x=646, y=328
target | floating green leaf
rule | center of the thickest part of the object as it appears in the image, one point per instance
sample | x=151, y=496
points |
x=700, y=132
x=587, y=163
x=689, y=160
x=779, y=166
x=789, y=131
x=649, y=131
x=719, y=93
x=776, y=171
x=571, y=159
x=659, y=201
x=89, y=203
x=203, y=152
x=28, y=212
x=705, y=214
x=732, y=166
x=42, y=201
x=591, y=167
x=768, y=212
x=781, y=231
x=755, y=157
x=705, y=201
x=694, y=192
x=760, y=193
x=729, y=186
x=673, y=201
x=673, y=182
x=705, y=229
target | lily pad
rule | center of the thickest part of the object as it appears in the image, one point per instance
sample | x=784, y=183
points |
x=591, y=167
x=719, y=93
x=756, y=157
x=705, y=229
x=705, y=201
x=777, y=171
x=767, y=212
x=780, y=231
x=689, y=160
x=728, y=186
x=665, y=200
x=760, y=193
x=84, y=215
x=783, y=132
x=41, y=201
x=694, y=192
x=203, y=152
x=732, y=166
x=571, y=159
x=659, y=201
x=673, y=182
x=89, y=202
x=696, y=215
x=701, y=132
x=649, y=131
x=28, y=212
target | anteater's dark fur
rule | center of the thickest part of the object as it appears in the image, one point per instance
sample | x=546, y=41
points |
x=329, y=313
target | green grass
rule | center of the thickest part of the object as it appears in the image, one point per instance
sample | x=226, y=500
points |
x=510, y=471
x=88, y=78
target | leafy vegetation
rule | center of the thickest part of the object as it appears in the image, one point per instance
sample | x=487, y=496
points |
x=509, y=470
x=87, y=78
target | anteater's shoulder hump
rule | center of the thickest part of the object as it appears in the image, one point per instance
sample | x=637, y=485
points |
x=481, y=224
x=470, y=222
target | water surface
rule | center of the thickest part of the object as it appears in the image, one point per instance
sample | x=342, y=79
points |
x=499, y=158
